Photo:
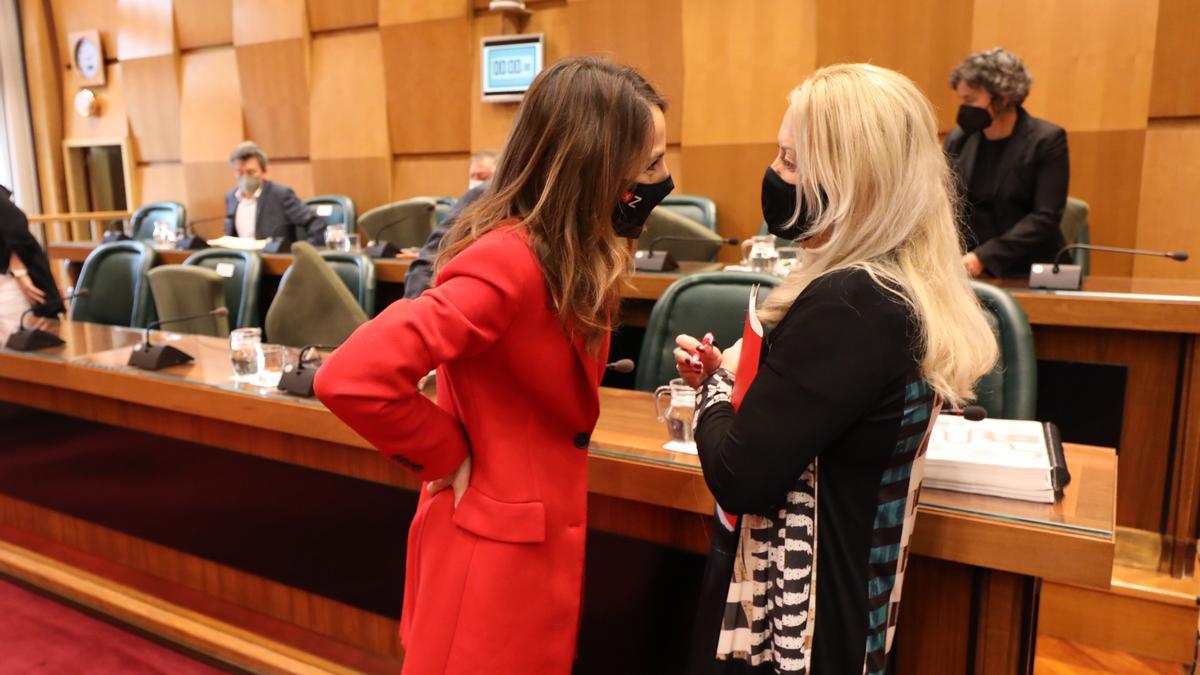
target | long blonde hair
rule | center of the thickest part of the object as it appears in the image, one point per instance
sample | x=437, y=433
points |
x=869, y=162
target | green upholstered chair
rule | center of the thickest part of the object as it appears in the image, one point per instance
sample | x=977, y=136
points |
x=1074, y=227
x=337, y=210
x=442, y=206
x=406, y=223
x=665, y=222
x=186, y=290
x=242, y=272
x=1010, y=390
x=695, y=305
x=115, y=276
x=357, y=271
x=700, y=209
x=141, y=225
x=313, y=305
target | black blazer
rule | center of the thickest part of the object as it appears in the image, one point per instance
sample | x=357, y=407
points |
x=15, y=237
x=279, y=212
x=1030, y=194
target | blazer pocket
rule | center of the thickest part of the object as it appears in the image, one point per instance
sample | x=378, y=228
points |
x=514, y=523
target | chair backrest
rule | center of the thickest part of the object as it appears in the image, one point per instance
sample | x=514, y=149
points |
x=666, y=223
x=696, y=304
x=141, y=224
x=443, y=204
x=312, y=305
x=1074, y=226
x=335, y=210
x=187, y=290
x=1010, y=390
x=115, y=276
x=357, y=271
x=405, y=224
x=242, y=272
x=699, y=208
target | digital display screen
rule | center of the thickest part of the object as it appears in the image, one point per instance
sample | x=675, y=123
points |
x=509, y=65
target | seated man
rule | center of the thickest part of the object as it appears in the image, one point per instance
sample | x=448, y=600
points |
x=420, y=271
x=260, y=209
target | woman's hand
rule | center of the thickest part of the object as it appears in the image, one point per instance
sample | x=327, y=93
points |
x=457, y=481
x=729, y=360
x=696, y=359
x=35, y=295
x=973, y=264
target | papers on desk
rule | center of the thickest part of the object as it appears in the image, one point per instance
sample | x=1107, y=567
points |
x=239, y=243
x=1015, y=459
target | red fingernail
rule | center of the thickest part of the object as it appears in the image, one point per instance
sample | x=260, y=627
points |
x=697, y=367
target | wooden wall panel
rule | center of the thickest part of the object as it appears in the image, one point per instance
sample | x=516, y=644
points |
x=924, y=40
x=76, y=15
x=338, y=14
x=645, y=35
x=1173, y=92
x=274, y=91
x=111, y=123
x=428, y=85
x=256, y=21
x=159, y=182
x=731, y=175
x=205, y=185
x=294, y=174
x=211, y=108
x=407, y=11
x=348, y=102
x=144, y=28
x=738, y=67
x=203, y=23
x=153, y=100
x=1106, y=172
x=367, y=180
x=429, y=175
x=1170, y=198
x=1090, y=59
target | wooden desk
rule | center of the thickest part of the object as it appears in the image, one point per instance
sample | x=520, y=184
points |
x=963, y=545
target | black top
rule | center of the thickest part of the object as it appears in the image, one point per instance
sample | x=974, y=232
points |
x=279, y=213
x=420, y=271
x=15, y=237
x=1024, y=181
x=839, y=380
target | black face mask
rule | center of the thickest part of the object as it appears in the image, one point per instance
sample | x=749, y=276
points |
x=973, y=118
x=629, y=217
x=779, y=205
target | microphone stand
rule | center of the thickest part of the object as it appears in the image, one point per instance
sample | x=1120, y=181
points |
x=662, y=261
x=298, y=379
x=156, y=357
x=1058, y=276
x=32, y=339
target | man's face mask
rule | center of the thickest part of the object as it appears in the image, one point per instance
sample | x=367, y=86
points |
x=248, y=184
x=973, y=118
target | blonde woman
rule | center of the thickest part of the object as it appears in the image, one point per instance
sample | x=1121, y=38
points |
x=872, y=334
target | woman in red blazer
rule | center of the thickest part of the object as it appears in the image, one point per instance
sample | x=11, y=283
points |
x=517, y=327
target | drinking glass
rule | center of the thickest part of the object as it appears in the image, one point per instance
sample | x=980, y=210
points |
x=243, y=351
x=270, y=364
x=351, y=243
x=680, y=408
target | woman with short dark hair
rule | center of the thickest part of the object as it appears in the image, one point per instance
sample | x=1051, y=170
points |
x=1013, y=168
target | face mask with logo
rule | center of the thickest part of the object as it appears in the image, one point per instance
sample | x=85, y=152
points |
x=629, y=217
x=973, y=118
x=248, y=184
x=779, y=208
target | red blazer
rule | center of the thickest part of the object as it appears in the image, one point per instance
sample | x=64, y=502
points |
x=494, y=585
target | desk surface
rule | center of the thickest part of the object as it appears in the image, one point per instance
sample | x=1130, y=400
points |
x=626, y=462
x=1159, y=305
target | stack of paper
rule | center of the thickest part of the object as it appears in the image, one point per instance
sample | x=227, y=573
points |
x=239, y=243
x=1002, y=458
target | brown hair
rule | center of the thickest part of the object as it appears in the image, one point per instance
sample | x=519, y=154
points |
x=578, y=140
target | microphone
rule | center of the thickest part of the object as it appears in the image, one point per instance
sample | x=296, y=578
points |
x=156, y=357
x=621, y=366
x=1069, y=277
x=32, y=339
x=971, y=413
x=193, y=241
x=662, y=261
x=297, y=379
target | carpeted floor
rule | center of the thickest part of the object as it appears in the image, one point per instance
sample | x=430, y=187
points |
x=39, y=635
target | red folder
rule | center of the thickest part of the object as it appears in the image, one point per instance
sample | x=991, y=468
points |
x=752, y=336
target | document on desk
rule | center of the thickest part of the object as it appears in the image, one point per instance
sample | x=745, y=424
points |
x=1015, y=459
x=239, y=243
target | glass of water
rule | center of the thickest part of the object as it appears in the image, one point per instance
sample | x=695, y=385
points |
x=164, y=234
x=270, y=364
x=335, y=237
x=243, y=351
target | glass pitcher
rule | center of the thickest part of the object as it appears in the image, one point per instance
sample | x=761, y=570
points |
x=680, y=409
x=164, y=234
x=759, y=253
